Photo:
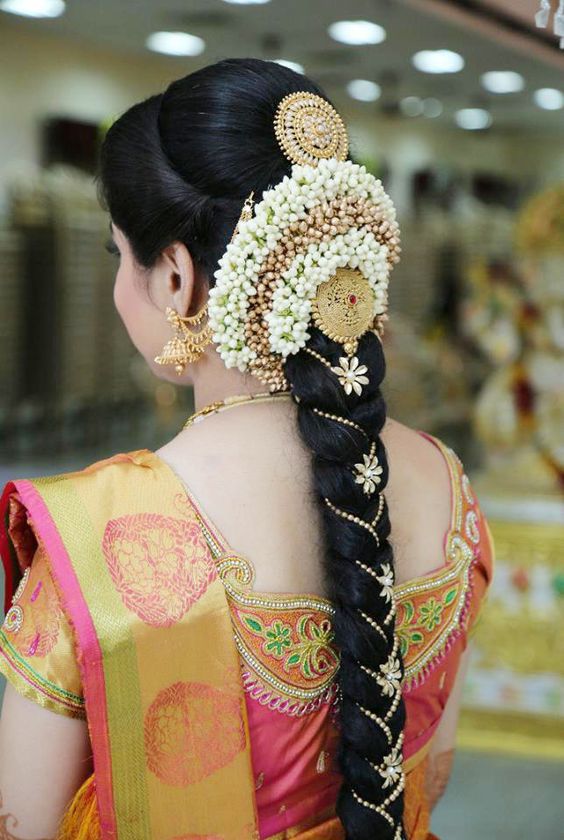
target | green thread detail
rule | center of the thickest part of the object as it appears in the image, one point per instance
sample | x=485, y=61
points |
x=279, y=639
x=409, y=611
x=430, y=613
x=307, y=646
x=55, y=690
x=253, y=624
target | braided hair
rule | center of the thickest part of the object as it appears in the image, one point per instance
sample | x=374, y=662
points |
x=340, y=430
x=177, y=167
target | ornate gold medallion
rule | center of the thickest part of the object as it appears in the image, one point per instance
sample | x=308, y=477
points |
x=308, y=129
x=343, y=308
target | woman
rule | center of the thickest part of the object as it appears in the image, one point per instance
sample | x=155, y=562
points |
x=189, y=687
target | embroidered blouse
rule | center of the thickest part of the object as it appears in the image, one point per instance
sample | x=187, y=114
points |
x=288, y=659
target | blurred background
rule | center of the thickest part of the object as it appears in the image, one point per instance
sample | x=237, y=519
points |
x=459, y=107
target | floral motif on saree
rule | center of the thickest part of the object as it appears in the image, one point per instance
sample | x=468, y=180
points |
x=160, y=565
x=191, y=730
x=149, y=688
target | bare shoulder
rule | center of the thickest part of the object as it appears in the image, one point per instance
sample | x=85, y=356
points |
x=419, y=496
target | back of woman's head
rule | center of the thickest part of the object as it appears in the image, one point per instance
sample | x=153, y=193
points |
x=178, y=167
x=180, y=164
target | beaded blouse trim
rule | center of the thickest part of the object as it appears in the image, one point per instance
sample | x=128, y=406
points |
x=433, y=610
x=285, y=641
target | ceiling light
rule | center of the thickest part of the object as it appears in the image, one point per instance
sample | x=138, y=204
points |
x=357, y=32
x=175, y=43
x=291, y=65
x=438, y=61
x=364, y=90
x=473, y=118
x=502, y=81
x=411, y=106
x=34, y=8
x=549, y=98
x=432, y=107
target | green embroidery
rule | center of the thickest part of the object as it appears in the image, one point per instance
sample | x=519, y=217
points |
x=253, y=624
x=409, y=637
x=23, y=668
x=417, y=620
x=279, y=636
x=409, y=611
x=430, y=613
x=307, y=647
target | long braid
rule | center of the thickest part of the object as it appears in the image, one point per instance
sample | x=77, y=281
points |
x=340, y=429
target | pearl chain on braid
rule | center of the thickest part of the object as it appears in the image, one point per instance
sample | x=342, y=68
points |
x=386, y=682
x=388, y=677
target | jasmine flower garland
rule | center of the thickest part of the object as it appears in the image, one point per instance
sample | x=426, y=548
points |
x=290, y=202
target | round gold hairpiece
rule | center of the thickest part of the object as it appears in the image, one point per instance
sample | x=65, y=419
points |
x=343, y=308
x=309, y=129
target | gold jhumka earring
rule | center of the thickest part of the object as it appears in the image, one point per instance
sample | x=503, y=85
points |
x=187, y=345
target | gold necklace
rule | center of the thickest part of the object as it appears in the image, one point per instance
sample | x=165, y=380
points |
x=230, y=402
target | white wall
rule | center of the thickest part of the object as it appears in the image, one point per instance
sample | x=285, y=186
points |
x=415, y=144
x=43, y=75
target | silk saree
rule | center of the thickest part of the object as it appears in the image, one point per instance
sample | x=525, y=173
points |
x=212, y=709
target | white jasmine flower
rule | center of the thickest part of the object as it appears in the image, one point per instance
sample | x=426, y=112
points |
x=287, y=202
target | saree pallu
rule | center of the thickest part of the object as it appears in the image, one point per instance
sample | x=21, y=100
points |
x=160, y=668
x=164, y=700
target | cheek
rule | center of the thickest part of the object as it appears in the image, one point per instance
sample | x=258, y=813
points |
x=139, y=316
x=126, y=297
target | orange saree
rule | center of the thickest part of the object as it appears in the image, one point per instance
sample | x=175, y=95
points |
x=212, y=708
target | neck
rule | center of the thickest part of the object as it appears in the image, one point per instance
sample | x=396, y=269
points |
x=214, y=382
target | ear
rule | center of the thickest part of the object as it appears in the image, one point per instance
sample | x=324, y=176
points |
x=186, y=295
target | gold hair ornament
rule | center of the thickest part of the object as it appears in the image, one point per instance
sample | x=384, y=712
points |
x=343, y=308
x=319, y=249
x=309, y=129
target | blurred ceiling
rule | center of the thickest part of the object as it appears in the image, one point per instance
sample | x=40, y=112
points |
x=520, y=10
x=490, y=35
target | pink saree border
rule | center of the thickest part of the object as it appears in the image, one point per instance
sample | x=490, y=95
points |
x=5, y=549
x=91, y=666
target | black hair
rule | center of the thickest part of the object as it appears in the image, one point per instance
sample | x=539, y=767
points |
x=178, y=167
